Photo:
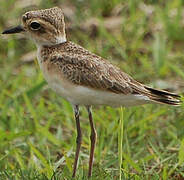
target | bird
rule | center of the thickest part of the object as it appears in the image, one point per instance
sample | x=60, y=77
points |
x=82, y=77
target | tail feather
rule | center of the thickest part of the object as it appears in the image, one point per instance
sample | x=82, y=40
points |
x=166, y=93
x=164, y=97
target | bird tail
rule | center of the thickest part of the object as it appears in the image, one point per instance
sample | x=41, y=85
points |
x=163, y=97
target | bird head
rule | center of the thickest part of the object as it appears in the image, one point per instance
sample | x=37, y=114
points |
x=46, y=27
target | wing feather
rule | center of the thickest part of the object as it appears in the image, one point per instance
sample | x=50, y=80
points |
x=93, y=71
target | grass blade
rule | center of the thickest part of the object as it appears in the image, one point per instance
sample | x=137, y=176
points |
x=120, y=140
x=181, y=153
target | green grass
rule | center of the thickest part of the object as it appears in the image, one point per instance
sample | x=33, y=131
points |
x=120, y=141
x=37, y=129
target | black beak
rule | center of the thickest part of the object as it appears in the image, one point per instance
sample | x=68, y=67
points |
x=17, y=29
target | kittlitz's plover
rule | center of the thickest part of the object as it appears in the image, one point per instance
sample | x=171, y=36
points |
x=81, y=77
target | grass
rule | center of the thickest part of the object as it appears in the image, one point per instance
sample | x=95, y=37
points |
x=37, y=129
x=120, y=141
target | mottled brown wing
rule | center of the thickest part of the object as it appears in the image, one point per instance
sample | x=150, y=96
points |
x=93, y=71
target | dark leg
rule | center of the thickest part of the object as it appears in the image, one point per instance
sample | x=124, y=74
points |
x=78, y=140
x=93, y=141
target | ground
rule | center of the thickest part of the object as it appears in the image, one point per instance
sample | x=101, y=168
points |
x=37, y=128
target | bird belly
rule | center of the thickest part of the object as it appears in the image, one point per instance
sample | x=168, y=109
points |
x=87, y=96
x=80, y=95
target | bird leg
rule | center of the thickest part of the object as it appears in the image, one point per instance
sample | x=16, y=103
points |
x=78, y=140
x=93, y=137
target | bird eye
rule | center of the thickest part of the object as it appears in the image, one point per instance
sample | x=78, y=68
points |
x=35, y=26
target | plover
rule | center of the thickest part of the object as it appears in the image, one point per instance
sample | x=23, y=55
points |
x=81, y=77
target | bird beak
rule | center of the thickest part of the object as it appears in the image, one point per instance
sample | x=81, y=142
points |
x=17, y=29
